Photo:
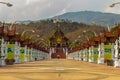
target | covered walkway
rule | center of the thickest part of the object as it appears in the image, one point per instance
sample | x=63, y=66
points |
x=59, y=69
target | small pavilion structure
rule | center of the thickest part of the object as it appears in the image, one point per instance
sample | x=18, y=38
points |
x=58, y=44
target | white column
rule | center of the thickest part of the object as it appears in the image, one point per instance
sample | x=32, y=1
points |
x=31, y=52
x=91, y=54
x=82, y=52
x=101, y=53
x=44, y=55
x=48, y=57
x=3, y=54
x=50, y=52
x=69, y=56
x=92, y=51
x=38, y=54
x=6, y=48
x=76, y=55
x=113, y=51
x=25, y=55
x=78, y=52
x=66, y=52
x=80, y=55
x=117, y=56
x=17, y=53
x=35, y=54
x=28, y=54
x=85, y=54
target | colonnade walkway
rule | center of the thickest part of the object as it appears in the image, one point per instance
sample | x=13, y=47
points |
x=59, y=69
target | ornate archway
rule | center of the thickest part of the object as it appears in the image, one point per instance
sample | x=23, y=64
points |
x=58, y=44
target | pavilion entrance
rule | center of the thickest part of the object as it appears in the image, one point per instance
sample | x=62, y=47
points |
x=58, y=44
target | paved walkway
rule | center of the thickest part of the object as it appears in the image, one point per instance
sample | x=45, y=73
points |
x=59, y=70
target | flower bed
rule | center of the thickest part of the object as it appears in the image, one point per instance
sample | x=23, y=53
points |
x=9, y=61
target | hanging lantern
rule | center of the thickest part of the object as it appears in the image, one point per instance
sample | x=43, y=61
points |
x=103, y=39
x=97, y=39
x=11, y=32
x=117, y=31
x=113, y=39
x=91, y=43
x=108, y=34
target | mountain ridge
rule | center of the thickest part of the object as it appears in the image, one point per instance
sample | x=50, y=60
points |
x=88, y=17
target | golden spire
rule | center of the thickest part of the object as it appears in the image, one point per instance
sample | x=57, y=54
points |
x=58, y=27
x=57, y=20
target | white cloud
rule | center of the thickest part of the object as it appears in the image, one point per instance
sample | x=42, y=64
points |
x=39, y=9
x=64, y=10
x=113, y=9
x=30, y=1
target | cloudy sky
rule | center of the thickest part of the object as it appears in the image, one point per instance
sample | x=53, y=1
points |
x=41, y=9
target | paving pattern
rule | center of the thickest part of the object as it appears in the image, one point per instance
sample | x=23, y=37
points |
x=59, y=69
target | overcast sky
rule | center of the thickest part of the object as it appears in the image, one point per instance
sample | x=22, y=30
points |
x=42, y=9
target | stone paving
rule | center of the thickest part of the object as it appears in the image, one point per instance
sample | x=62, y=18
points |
x=59, y=69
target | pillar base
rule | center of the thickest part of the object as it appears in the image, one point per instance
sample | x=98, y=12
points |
x=90, y=60
x=25, y=60
x=101, y=61
x=117, y=63
x=2, y=63
x=85, y=60
x=17, y=61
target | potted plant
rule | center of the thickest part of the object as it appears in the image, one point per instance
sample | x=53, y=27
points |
x=9, y=61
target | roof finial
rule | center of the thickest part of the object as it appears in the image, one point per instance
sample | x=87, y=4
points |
x=57, y=20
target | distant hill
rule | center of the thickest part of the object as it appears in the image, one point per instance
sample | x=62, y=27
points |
x=45, y=28
x=90, y=17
